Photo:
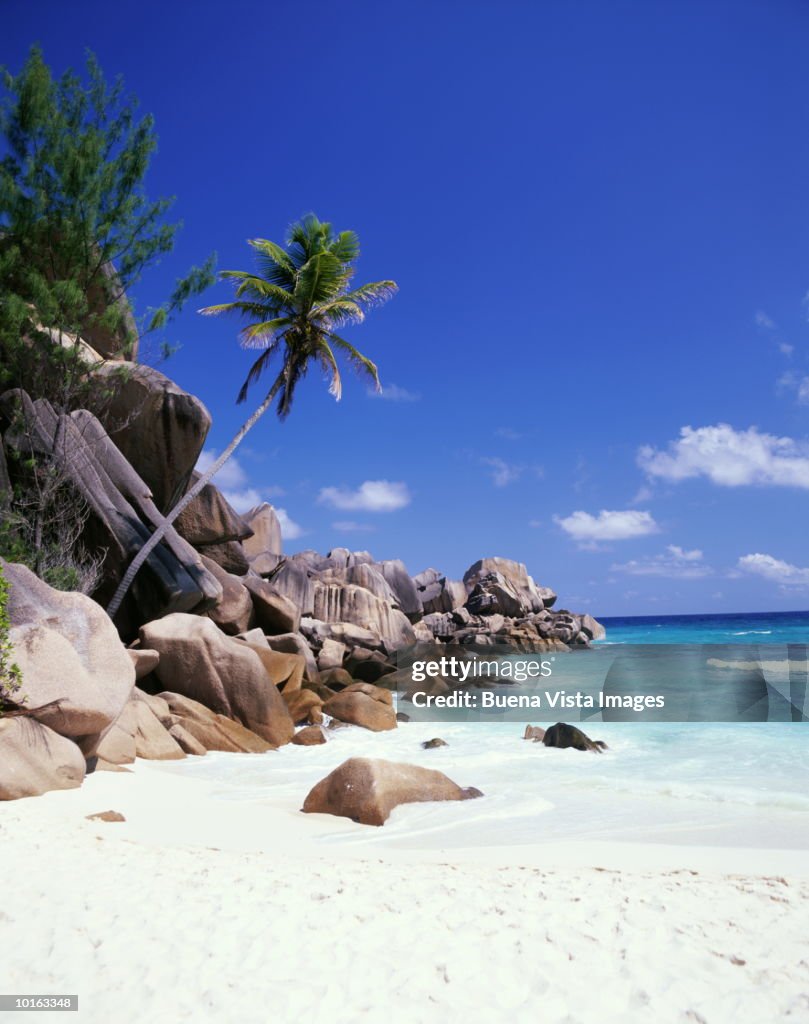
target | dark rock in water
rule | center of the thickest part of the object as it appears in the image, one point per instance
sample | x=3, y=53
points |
x=433, y=743
x=402, y=716
x=535, y=733
x=563, y=735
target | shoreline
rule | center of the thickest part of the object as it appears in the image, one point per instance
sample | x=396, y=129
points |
x=159, y=930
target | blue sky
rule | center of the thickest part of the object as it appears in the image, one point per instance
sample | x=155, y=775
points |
x=598, y=217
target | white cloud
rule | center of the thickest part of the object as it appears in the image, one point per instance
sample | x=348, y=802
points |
x=371, y=496
x=393, y=393
x=642, y=495
x=535, y=523
x=607, y=525
x=503, y=473
x=774, y=569
x=350, y=526
x=785, y=348
x=243, y=501
x=290, y=530
x=507, y=434
x=763, y=321
x=674, y=563
x=730, y=458
x=231, y=475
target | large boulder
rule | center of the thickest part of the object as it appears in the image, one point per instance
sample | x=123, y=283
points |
x=367, y=790
x=403, y=587
x=266, y=532
x=363, y=704
x=153, y=742
x=229, y=555
x=501, y=585
x=286, y=670
x=294, y=643
x=34, y=759
x=209, y=519
x=70, y=657
x=210, y=730
x=437, y=593
x=234, y=612
x=292, y=580
x=200, y=662
x=159, y=428
x=350, y=603
x=274, y=612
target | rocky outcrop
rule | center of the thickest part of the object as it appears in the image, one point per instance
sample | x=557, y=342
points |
x=273, y=612
x=437, y=593
x=209, y=519
x=123, y=514
x=34, y=759
x=367, y=790
x=159, y=428
x=233, y=613
x=309, y=736
x=71, y=659
x=198, y=661
x=210, y=730
x=500, y=585
x=266, y=532
x=354, y=604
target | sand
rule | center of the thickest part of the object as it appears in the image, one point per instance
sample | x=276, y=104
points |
x=145, y=927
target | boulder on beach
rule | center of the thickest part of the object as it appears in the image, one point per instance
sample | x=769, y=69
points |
x=534, y=732
x=363, y=704
x=210, y=519
x=367, y=790
x=233, y=613
x=34, y=759
x=210, y=730
x=435, y=742
x=70, y=657
x=309, y=736
x=564, y=735
x=200, y=662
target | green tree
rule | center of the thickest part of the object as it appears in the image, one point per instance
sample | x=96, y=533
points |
x=77, y=231
x=10, y=680
x=295, y=304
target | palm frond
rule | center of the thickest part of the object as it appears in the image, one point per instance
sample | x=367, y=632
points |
x=374, y=293
x=346, y=246
x=361, y=363
x=294, y=372
x=329, y=364
x=257, y=369
x=254, y=309
x=339, y=313
x=260, y=289
x=256, y=335
x=274, y=263
x=320, y=279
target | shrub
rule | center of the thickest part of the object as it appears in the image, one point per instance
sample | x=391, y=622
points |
x=10, y=677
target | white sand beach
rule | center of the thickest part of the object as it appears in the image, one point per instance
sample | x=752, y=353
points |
x=172, y=915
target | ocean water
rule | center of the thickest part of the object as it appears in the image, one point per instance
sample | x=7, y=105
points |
x=742, y=784
x=742, y=627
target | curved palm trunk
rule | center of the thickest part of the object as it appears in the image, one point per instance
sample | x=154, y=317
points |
x=185, y=501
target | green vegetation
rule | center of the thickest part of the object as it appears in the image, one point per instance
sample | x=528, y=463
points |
x=77, y=231
x=10, y=679
x=295, y=304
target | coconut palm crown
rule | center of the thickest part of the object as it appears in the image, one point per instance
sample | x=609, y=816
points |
x=297, y=301
x=300, y=297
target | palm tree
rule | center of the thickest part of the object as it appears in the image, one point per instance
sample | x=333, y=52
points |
x=296, y=302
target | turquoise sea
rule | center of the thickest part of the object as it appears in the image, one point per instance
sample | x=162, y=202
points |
x=741, y=627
